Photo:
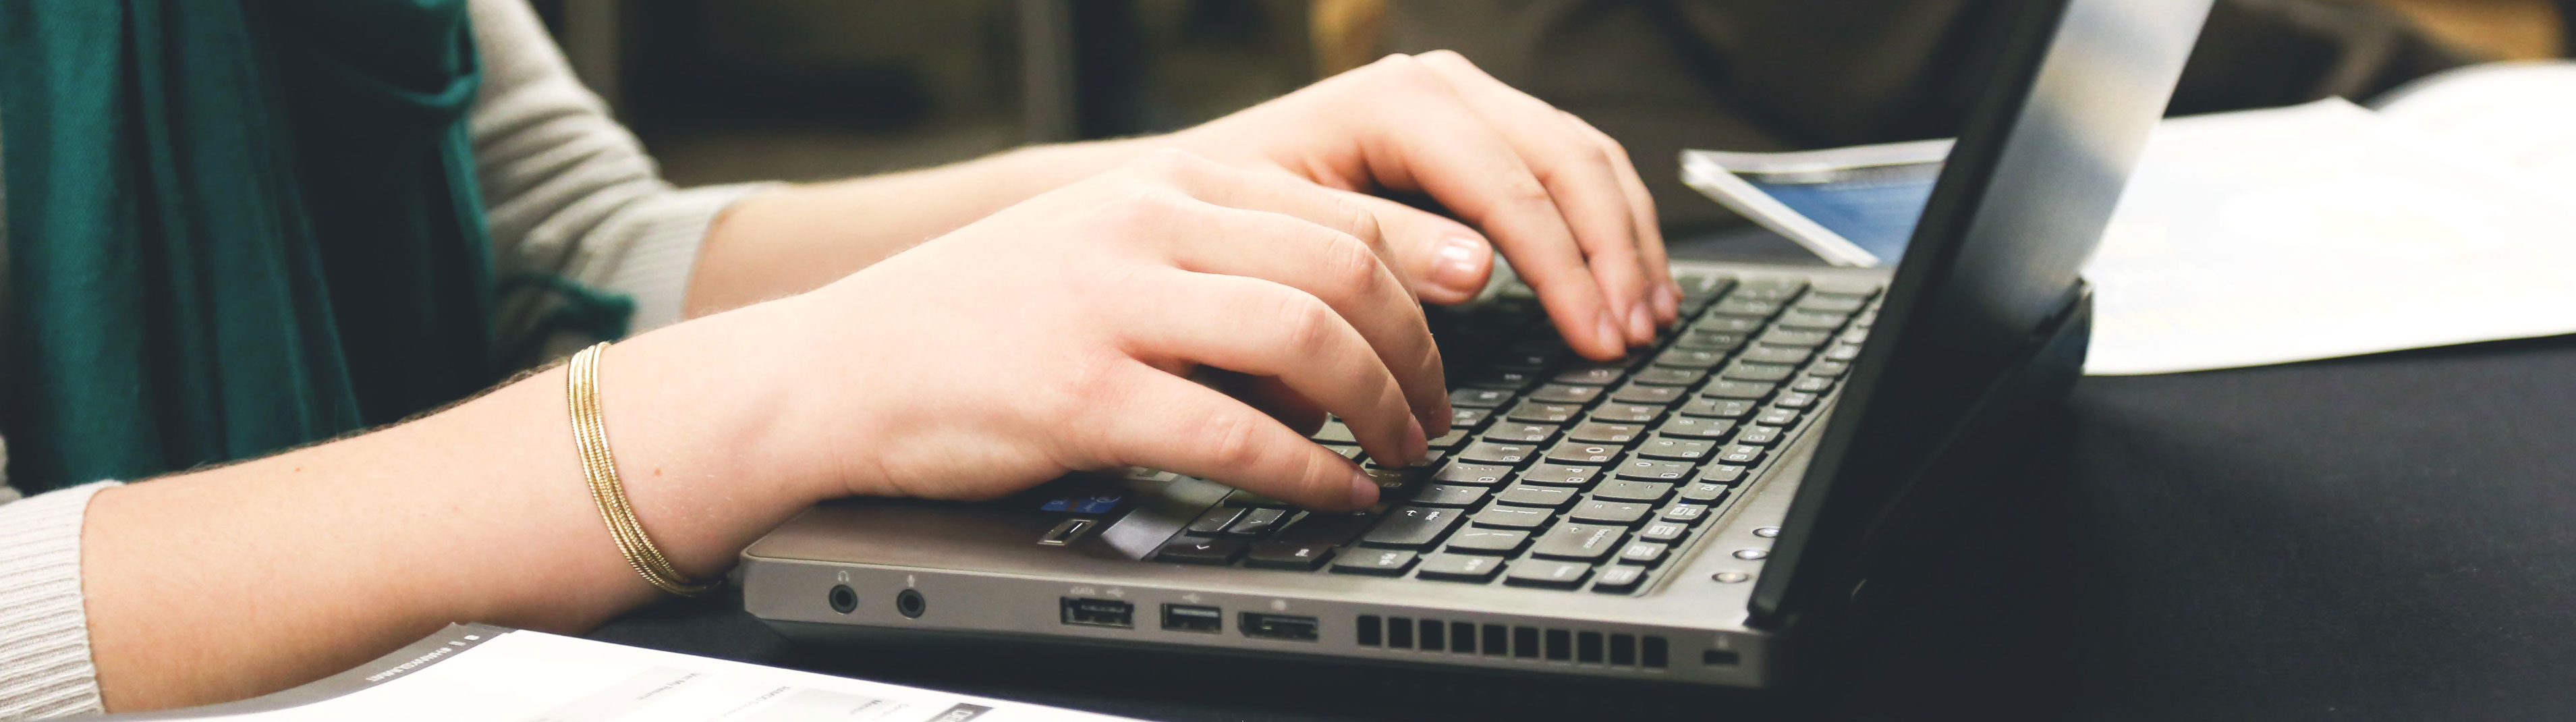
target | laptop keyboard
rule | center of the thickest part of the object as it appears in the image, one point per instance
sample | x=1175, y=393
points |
x=1565, y=473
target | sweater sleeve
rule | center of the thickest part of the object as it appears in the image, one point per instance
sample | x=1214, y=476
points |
x=45, y=667
x=569, y=193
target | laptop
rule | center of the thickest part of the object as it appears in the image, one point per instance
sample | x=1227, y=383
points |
x=1686, y=515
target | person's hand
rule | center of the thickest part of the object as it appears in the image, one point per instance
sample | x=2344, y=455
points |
x=1060, y=334
x=1558, y=196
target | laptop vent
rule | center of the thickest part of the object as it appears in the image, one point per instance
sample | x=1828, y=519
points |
x=1498, y=640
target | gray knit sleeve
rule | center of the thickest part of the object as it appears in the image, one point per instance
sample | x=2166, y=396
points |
x=45, y=668
x=569, y=193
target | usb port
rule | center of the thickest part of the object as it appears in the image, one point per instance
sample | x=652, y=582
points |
x=1278, y=626
x=1193, y=618
x=1098, y=612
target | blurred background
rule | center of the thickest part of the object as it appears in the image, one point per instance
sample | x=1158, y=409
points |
x=731, y=90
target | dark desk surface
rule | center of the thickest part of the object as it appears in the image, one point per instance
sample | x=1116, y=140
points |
x=2386, y=537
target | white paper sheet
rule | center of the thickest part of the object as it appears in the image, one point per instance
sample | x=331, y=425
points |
x=535, y=677
x=2320, y=231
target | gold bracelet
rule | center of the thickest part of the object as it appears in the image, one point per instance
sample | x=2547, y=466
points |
x=590, y=436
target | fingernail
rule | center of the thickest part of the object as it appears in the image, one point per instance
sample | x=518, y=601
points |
x=1363, y=491
x=1641, y=324
x=1417, y=447
x=1668, y=303
x=1608, y=332
x=1455, y=266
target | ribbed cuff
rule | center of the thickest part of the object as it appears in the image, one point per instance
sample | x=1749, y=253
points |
x=45, y=667
x=669, y=230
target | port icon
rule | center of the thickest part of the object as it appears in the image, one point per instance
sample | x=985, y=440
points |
x=1097, y=612
x=1279, y=626
x=1193, y=618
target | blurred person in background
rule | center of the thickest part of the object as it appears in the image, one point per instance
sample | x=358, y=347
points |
x=273, y=258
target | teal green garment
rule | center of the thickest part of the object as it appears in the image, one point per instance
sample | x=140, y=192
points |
x=235, y=226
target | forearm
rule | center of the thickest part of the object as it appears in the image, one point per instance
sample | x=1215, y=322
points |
x=249, y=578
x=796, y=238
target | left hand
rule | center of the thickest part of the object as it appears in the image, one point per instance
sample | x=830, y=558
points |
x=1558, y=196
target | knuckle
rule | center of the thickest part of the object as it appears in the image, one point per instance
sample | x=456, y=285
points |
x=1359, y=220
x=1140, y=208
x=1351, y=266
x=1170, y=165
x=1306, y=324
x=1233, y=441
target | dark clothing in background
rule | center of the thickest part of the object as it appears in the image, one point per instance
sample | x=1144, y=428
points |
x=1761, y=75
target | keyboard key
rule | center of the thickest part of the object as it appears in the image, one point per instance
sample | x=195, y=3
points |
x=1726, y=389
x=1347, y=452
x=1460, y=472
x=1576, y=452
x=1448, y=495
x=1727, y=474
x=1640, y=394
x=1487, y=452
x=1626, y=413
x=1770, y=289
x=1704, y=340
x=1795, y=338
x=1705, y=492
x=1412, y=527
x=1776, y=354
x=1501, y=380
x=1326, y=529
x=1691, y=427
x=1459, y=568
x=1548, y=574
x=1722, y=323
x=1583, y=542
x=1661, y=531
x=1610, y=512
x=1718, y=408
x=1282, y=555
x=1444, y=442
x=1795, y=400
x=1532, y=412
x=1560, y=475
x=1846, y=287
x=1215, y=520
x=1741, y=454
x=1258, y=522
x=1842, y=352
x=1592, y=374
x=1498, y=542
x=1685, y=513
x=1619, y=579
x=1809, y=321
x=1374, y=562
x=1200, y=551
x=1672, y=448
x=1240, y=497
x=1334, y=433
x=1829, y=368
x=1514, y=432
x=1565, y=394
x=1689, y=358
x=1644, y=553
x=1514, y=517
x=1553, y=497
x=1776, y=417
x=1644, y=469
x=1741, y=371
x=1812, y=384
x=1600, y=433
x=1668, y=376
x=1822, y=303
x=1478, y=398
x=1637, y=491
x=1857, y=334
x=1757, y=435
x=1738, y=305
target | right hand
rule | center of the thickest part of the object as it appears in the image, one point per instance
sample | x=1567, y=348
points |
x=1058, y=335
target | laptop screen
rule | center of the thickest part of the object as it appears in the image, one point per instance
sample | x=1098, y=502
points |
x=2024, y=195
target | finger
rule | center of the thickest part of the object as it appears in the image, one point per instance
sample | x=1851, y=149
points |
x=1578, y=175
x=1263, y=328
x=1163, y=422
x=1439, y=146
x=1348, y=275
x=1448, y=262
x=1275, y=191
x=1667, y=294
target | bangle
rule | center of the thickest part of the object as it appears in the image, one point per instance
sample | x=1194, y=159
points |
x=590, y=436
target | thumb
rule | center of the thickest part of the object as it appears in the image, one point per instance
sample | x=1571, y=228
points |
x=1447, y=262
